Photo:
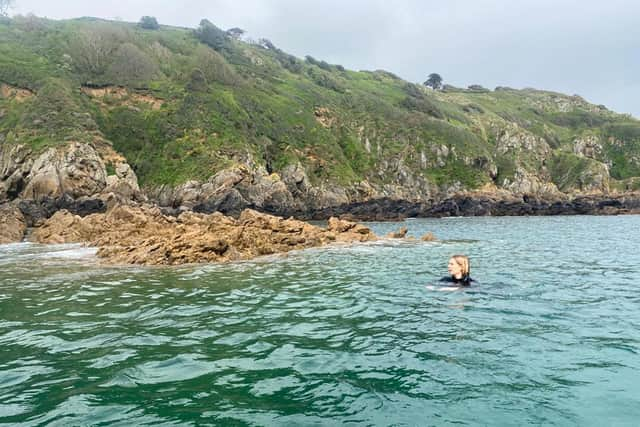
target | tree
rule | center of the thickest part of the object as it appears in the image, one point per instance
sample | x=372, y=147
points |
x=211, y=35
x=267, y=44
x=434, y=81
x=93, y=48
x=235, y=32
x=148, y=23
x=5, y=5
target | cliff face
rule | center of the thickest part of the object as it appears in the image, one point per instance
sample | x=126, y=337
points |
x=73, y=168
x=200, y=120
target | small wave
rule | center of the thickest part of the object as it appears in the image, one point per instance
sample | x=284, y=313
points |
x=77, y=252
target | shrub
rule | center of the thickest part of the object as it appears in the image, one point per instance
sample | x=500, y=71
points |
x=30, y=22
x=325, y=80
x=93, y=48
x=211, y=35
x=624, y=131
x=56, y=113
x=290, y=62
x=578, y=119
x=148, y=23
x=478, y=88
x=235, y=33
x=214, y=67
x=416, y=100
x=131, y=67
x=267, y=44
x=423, y=105
x=566, y=168
x=324, y=65
x=197, y=81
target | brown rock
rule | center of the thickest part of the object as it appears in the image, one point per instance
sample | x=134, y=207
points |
x=143, y=235
x=12, y=224
x=429, y=237
x=400, y=234
x=339, y=225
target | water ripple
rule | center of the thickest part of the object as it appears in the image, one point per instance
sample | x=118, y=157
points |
x=354, y=335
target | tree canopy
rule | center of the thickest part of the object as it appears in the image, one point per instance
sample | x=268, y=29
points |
x=211, y=35
x=235, y=32
x=434, y=81
x=149, y=23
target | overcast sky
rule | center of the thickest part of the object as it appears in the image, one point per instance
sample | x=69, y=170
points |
x=585, y=47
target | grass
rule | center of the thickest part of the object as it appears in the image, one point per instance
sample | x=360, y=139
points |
x=242, y=100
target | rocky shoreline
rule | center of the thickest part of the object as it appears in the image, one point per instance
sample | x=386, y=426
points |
x=147, y=234
x=483, y=204
x=35, y=212
x=143, y=235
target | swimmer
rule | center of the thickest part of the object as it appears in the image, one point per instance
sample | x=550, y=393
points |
x=459, y=269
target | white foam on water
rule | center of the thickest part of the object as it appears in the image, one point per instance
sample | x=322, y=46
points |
x=27, y=251
x=70, y=251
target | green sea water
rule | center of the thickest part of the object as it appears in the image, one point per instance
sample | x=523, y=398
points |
x=346, y=335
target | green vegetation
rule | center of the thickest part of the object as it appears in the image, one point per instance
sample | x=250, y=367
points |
x=181, y=104
x=434, y=81
x=149, y=23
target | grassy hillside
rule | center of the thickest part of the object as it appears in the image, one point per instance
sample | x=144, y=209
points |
x=182, y=104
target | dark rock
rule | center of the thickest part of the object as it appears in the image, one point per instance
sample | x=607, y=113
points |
x=38, y=211
x=231, y=203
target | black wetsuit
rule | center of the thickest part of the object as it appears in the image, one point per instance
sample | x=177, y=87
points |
x=463, y=281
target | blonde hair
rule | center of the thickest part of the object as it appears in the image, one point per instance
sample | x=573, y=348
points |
x=463, y=262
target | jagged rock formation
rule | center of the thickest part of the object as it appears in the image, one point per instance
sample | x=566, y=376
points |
x=74, y=169
x=12, y=224
x=143, y=235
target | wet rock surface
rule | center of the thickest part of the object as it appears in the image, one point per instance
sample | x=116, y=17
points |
x=482, y=205
x=36, y=212
x=144, y=235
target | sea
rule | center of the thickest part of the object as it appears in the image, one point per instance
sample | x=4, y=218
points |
x=361, y=334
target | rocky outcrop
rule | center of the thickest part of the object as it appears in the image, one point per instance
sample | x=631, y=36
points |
x=504, y=203
x=122, y=96
x=398, y=234
x=15, y=93
x=513, y=139
x=428, y=237
x=144, y=235
x=15, y=167
x=77, y=170
x=230, y=191
x=12, y=224
x=588, y=146
x=36, y=212
x=524, y=182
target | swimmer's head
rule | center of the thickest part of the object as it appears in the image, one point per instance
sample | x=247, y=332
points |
x=459, y=266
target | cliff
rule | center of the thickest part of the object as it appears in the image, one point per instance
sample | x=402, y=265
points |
x=198, y=119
